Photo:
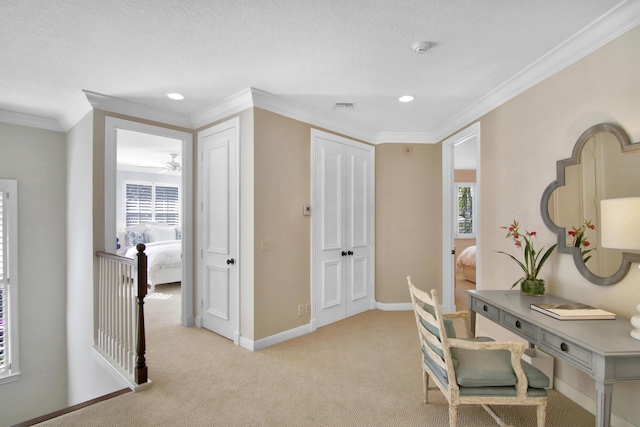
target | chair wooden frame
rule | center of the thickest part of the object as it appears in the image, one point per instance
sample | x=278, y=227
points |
x=451, y=391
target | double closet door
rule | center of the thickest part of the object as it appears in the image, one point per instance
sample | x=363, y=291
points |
x=342, y=256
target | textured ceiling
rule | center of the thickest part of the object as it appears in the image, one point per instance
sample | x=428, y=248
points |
x=312, y=53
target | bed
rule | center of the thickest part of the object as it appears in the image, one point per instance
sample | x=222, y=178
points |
x=466, y=263
x=163, y=248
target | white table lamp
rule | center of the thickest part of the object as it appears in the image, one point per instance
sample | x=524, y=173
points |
x=620, y=229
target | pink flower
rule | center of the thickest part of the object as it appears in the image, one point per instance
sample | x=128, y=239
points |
x=533, y=233
x=571, y=233
x=585, y=243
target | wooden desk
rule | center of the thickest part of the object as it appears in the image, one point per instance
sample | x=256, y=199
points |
x=601, y=348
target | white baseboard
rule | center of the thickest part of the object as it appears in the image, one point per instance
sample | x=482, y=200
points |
x=402, y=306
x=586, y=402
x=275, y=339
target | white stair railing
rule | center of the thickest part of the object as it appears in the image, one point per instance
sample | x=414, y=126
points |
x=120, y=334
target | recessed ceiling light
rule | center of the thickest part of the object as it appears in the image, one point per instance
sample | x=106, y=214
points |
x=176, y=96
x=406, y=98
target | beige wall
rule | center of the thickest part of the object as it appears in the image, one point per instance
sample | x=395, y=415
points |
x=520, y=144
x=408, y=220
x=282, y=188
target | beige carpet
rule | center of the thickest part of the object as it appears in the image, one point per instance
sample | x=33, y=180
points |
x=363, y=371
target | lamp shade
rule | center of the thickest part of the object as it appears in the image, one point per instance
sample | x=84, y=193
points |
x=620, y=223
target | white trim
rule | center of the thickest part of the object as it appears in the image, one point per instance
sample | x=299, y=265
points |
x=401, y=306
x=11, y=291
x=186, y=197
x=120, y=376
x=284, y=107
x=116, y=105
x=448, y=203
x=407, y=138
x=232, y=105
x=606, y=28
x=275, y=339
x=29, y=120
x=76, y=111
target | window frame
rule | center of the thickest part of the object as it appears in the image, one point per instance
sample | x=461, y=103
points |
x=458, y=234
x=10, y=282
x=153, y=186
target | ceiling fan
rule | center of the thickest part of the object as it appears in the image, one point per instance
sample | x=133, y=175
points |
x=172, y=165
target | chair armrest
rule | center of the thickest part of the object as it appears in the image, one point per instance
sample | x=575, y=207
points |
x=464, y=315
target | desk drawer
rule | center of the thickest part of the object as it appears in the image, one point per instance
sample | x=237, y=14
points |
x=519, y=326
x=569, y=351
x=486, y=310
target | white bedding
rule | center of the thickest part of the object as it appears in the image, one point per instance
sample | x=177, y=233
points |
x=466, y=258
x=163, y=254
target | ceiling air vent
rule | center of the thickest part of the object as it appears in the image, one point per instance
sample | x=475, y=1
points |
x=344, y=106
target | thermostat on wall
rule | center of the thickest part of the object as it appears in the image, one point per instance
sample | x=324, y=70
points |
x=306, y=210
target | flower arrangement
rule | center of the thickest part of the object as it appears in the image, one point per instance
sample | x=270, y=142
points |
x=580, y=239
x=533, y=260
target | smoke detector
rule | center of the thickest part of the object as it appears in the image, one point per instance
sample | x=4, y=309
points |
x=421, y=47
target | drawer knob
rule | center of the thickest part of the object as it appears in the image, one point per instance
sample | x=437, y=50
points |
x=518, y=324
x=564, y=347
x=485, y=308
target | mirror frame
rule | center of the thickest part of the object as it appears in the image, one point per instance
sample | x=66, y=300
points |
x=627, y=258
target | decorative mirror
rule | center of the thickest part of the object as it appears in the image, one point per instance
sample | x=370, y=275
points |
x=604, y=165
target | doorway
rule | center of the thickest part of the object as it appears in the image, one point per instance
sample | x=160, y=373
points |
x=163, y=179
x=460, y=216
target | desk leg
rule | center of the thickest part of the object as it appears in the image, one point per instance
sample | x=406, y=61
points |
x=604, y=396
x=472, y=321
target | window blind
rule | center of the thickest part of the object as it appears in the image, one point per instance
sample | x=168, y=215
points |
x=151, y=202
x=3, y=263
x=167, y=207
x=139, y=204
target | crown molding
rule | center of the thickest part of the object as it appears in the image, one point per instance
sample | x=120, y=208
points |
x=87, y=101
x=232, y=105
x=29, y=120
x=608, y=27
x=278, y=105
x=613, y=24
x=80, y=107
x=252, y=97
x=406, y=138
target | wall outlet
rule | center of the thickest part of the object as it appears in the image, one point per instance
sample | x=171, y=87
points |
x=301, y=310
x=266, y=245
x=307, y=308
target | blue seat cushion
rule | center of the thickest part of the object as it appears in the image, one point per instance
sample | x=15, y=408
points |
x=492, y=368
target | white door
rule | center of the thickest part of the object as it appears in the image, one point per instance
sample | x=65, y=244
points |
x=218, y=238
x=342, y=256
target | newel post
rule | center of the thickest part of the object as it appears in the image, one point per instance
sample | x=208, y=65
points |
x=141, y=361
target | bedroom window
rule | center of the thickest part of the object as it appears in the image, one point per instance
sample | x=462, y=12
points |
x=149, y=202
x=465, y=195
x=8, y=281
